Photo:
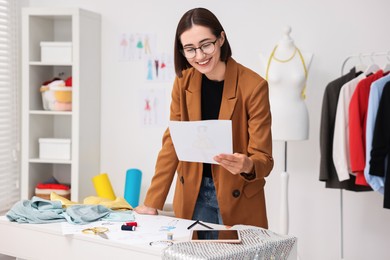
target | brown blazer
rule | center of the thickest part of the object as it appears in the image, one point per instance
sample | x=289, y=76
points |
x=245, y=102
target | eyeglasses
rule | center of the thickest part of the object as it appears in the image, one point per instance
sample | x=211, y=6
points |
x=206, y=48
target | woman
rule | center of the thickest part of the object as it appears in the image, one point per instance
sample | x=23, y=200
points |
x=210, y=84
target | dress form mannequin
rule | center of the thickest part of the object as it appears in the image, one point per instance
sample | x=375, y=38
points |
x=286, y=70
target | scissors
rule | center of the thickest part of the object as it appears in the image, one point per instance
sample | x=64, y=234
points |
x=100, y=231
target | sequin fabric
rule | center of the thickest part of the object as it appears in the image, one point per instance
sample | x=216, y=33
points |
x=257, y=244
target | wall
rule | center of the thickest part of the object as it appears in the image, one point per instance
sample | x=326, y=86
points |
x=330, y=29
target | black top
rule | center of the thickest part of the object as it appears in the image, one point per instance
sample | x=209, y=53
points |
x=210, y=104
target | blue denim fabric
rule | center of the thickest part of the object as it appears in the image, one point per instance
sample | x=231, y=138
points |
x=206, y=208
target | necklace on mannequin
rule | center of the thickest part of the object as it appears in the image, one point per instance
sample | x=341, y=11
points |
x=272, y=57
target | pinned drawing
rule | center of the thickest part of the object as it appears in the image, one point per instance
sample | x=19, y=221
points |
x=136, y=46
x=152, y=107
x=160, y=68
x=124, y=44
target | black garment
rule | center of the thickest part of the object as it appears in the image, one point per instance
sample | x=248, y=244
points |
x=211, y=98
x=381, y=143
x=328, y=172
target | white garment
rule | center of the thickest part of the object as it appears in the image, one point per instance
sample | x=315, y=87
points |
x=341, y=158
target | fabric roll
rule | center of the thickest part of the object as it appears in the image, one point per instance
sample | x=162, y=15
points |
x=133, y=186
x=103, y=186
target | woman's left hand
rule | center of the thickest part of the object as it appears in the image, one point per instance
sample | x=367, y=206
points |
x=235, y=163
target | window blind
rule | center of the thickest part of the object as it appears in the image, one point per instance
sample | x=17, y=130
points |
x=9, y=104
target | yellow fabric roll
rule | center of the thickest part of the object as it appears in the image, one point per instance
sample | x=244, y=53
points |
x=103, y=186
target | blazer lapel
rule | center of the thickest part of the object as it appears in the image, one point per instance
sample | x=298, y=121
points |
x=193, y=97
x=229, y=98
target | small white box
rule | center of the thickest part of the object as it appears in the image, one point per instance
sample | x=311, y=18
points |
x=56, y=52
x=54, y=148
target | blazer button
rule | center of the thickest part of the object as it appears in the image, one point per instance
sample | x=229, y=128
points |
x=182, y=180
x=236, y=193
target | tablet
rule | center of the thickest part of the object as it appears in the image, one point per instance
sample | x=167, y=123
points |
x=226, y=236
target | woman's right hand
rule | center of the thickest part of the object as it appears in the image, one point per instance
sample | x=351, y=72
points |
x=145, y=210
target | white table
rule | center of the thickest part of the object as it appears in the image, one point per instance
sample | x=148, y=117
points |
x=46, y=241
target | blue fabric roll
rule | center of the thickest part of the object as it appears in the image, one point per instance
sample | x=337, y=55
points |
x=133, y=186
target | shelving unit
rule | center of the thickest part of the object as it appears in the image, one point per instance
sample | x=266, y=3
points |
x=81, y=125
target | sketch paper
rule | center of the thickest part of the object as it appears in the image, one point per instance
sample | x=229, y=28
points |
x=200, y=141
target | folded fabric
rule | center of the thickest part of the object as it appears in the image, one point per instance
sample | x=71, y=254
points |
x=62, y=106
x=39, y=211
x=36, y=210
x=54, y=186
x=82, y=214
x=49, y=191
x=119, y=216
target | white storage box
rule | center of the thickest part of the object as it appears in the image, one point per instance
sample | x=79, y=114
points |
x=54, y=148
x=56, y=52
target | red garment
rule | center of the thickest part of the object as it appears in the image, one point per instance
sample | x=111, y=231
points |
x=358, y=107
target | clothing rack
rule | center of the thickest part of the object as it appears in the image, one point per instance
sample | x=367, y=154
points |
x=360, y=56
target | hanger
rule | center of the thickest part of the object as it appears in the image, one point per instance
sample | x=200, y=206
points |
x=361, y=66
x=386, y=68
x=373, y=67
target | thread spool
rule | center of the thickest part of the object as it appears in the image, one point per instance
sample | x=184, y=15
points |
x=128, y=228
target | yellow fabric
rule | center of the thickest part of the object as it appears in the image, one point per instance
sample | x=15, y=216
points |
x=65, y=202
x=118, y=204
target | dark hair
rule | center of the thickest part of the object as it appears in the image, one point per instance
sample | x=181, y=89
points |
x=203, y=17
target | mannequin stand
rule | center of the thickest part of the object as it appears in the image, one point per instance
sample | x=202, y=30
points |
x=284, y=208
x=284, y=213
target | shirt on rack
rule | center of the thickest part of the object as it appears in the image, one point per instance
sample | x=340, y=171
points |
x=357, y=126
x=328, y=172
x=376, y=182
x=341, y=135
x=381, y=144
